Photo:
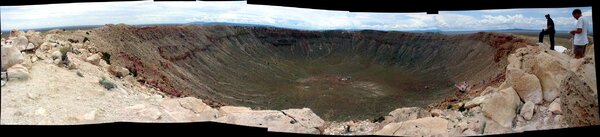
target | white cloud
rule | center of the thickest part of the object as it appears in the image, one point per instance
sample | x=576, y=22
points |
x=449, y=21
x=145, y=12
x=587, y=13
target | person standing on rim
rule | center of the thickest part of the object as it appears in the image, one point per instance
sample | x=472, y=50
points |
x=580, y=39
x=549, y=30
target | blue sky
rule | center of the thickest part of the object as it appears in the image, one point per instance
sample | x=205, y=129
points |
x=145, y=12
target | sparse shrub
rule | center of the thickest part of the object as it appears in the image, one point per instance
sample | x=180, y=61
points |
x=65, y=61
x=449, y=107
x=107, y=84
x=79, y=74
x=483, y=127
x=66, y=49
x=132, y=71
x=519, y=108
x=470, y=114
x=106, y=57
x=378, y=120
x=76, y=52
x=462, y=108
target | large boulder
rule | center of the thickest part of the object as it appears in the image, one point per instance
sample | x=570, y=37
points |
x=188, y=109
x=270, y=119
x=94, y=59
x=588, y=72
x=196, y=105
x=549, y=86
x=491, y=89
x=513, y=61
x=21, y=43
x=476, y=101
x=118, y=71
x=34, y=37
x=363, y=127
x=17, y=72
x=10, y=56
x=545, y=62
x=46, y=46
x=30, y=46
x=304, y=117
x=16, y=33
x=527, y=85
x=404, y=114
x=225, y=110
x=501, y=106
x=549, y=70
x=493, y=127
x=429, y=126
x=144, y=113
x=57, y=55
x=580, y=103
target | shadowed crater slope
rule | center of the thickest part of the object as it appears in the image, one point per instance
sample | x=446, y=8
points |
x=340, y=75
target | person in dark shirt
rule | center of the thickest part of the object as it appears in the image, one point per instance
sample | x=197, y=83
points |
x=548, y=31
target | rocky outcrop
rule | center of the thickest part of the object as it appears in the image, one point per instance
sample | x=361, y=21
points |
x=56, y=55
x=405, y=114
x=21, y=43
x=501, y=106
x=429, y=126
x=17, y=72
x=188, y=109
x=118, y=71
x=10, y=56
x=305, y=117
x=527, y=85
x=537, y=72
x=493, y=127
x=580, y=104
x=476, y=101
x=363, y=127
x=34, y=38
x=94, y=59
x=271, y=119
x=145, y=113
x=550, y=70
x=547, y=66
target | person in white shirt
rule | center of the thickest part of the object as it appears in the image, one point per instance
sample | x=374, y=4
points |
x=580, y=39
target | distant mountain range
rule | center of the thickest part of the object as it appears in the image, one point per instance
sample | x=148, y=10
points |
x=262, y=25
x=354, y=29
x=237, y=24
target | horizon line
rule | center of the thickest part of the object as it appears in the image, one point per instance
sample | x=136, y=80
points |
x=265, y=25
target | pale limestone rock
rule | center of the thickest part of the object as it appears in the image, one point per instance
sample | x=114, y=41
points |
x=501, y=106
x=527, y=110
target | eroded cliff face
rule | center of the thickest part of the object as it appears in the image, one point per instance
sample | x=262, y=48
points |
x=332, y=72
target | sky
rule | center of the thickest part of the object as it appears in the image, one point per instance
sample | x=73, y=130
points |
x=146, y=12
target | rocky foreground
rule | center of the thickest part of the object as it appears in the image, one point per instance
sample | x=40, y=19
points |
x=49, y=80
